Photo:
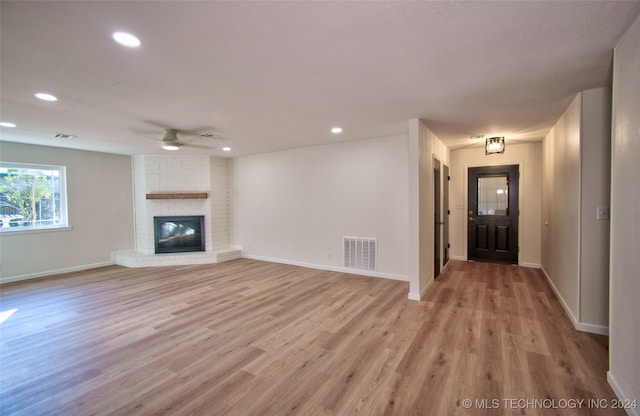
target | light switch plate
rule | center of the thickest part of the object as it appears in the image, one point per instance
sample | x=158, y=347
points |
x=602, y=213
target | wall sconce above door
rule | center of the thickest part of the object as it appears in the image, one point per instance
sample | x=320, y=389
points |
x=494, y=145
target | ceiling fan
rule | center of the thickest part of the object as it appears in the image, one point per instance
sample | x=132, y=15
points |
x=171, y=142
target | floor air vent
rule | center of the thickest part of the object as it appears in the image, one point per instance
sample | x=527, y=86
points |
x=360, y=253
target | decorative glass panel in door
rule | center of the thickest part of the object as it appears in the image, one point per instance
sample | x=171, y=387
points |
x=493, y=195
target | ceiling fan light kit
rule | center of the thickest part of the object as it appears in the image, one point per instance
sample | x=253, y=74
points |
x=170, y=140
x=171, y=146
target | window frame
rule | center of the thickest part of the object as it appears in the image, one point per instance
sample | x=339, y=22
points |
x=64, y=212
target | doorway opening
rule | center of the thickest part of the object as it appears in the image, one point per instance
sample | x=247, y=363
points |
x=441, y=216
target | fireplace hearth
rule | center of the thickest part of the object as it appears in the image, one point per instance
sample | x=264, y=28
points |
x=179, y=234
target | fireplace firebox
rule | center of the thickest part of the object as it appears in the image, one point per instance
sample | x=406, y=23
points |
x=179, y=234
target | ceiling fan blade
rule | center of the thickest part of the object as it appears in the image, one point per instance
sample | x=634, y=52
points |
x=198, y=146
x=192, y=131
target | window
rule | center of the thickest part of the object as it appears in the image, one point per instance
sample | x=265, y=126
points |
x=32, y=197
x=493, y=195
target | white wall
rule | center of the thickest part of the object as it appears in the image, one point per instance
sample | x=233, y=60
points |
x=595, y=155
x=295, y=206
x=220, y=226
x=576, y=174
x=624, y=340
x=529, y=157
x=561, y=207
x=423, y=146
x=100, y=206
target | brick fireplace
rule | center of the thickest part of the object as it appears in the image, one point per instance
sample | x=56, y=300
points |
x=204, y=177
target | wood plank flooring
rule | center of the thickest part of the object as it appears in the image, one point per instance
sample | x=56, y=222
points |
x=254, y=338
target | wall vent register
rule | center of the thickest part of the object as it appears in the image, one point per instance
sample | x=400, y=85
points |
x=360, y=253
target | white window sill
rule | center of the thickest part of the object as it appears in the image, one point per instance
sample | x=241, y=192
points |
x=18, y=231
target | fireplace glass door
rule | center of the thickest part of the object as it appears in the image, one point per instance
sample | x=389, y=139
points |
x=179, y=234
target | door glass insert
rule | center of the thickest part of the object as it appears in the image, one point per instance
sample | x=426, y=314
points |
x=493, y=195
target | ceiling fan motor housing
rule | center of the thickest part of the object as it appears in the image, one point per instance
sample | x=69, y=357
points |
x=170, y=135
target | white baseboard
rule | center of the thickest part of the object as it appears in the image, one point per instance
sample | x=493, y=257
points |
x=461, y=258
x=591, y=328
x=580, y=326
x=419, y=296
x=620, y=394
x=568, y=311
x=329, y=268
x=54, y=272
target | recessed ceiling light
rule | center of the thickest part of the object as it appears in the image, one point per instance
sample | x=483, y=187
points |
x=226, y=149
x=46, y=97
x=336, y=130
x=126, y=39
x=7, y=124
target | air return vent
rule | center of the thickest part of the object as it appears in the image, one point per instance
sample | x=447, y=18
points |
x=360, y=253
x=64, y=136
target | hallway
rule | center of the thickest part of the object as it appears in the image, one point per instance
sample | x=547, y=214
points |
x=514, y=342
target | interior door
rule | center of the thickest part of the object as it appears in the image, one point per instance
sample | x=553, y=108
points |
x=437, y=218
x=493, y=213
x=445, y=213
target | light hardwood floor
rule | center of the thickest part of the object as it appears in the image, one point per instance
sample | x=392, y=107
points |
x=254, y=338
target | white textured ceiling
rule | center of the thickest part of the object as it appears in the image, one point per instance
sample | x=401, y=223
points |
x=267, y=76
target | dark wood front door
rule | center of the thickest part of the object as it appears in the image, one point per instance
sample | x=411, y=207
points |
x=493, y=213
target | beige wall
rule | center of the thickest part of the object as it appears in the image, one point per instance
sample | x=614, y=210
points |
x=529, y=157
x=624, y=340
x=100, y=206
